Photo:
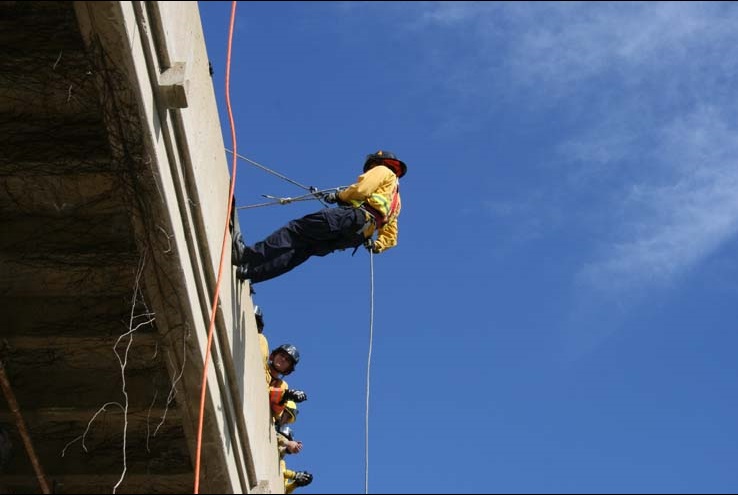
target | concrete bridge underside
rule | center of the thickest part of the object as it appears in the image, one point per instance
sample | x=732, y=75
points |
x=113, y=182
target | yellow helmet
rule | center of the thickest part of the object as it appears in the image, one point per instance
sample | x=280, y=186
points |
x=290, y=408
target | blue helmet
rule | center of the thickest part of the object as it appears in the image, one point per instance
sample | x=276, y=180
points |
x=291, y=351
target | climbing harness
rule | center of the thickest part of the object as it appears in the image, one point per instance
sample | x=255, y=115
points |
x=379, y=218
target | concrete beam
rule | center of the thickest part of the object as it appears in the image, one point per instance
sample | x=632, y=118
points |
x=63, y=194
x=91, y=353
x=97, y=483
x=105, y=314
x=89, y=275
x=83, y=233
x=139, y=418
x=47, y=386
x=173, y=86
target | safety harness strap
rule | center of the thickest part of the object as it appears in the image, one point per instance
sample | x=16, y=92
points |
x=379, y=219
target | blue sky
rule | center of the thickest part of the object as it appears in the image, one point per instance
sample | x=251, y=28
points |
x=559, y=315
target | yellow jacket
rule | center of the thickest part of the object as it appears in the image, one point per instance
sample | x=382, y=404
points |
x=282, y=445
x=276, y=386
x=377, y=188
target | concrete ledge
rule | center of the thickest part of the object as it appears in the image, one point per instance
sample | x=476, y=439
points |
x=173, y=86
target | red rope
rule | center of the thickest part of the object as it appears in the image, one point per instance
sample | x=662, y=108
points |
x=226, y=236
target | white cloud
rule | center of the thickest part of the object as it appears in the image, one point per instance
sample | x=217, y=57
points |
x=653, y=85
x=571, y=43
x=561, y=43
x=670, y=225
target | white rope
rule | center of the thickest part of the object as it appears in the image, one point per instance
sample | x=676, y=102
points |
x=273, y=172
x=318, y=195
x=368, y=370
x=314, y=192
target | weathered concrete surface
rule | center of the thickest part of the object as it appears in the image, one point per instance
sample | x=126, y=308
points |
x=113, y=188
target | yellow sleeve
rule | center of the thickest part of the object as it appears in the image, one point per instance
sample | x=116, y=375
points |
x=282, y=445
x=365, y=186
x=264, y=347
x=288, y=475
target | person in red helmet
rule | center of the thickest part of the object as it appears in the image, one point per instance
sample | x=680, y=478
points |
x=371, y=205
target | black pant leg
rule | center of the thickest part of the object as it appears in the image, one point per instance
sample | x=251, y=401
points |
x=318, y=234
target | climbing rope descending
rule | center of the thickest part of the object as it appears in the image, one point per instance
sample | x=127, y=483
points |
x=368, y=370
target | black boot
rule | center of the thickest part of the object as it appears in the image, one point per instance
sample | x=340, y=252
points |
x=242, y=272
x=238, y=249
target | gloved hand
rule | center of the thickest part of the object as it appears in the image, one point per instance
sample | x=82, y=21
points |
x=371, y=245
x=294, y=395
x=303, y=478
x=332, y=197
x=294, y=447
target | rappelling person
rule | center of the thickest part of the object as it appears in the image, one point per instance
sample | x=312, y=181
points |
x=370, y=205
